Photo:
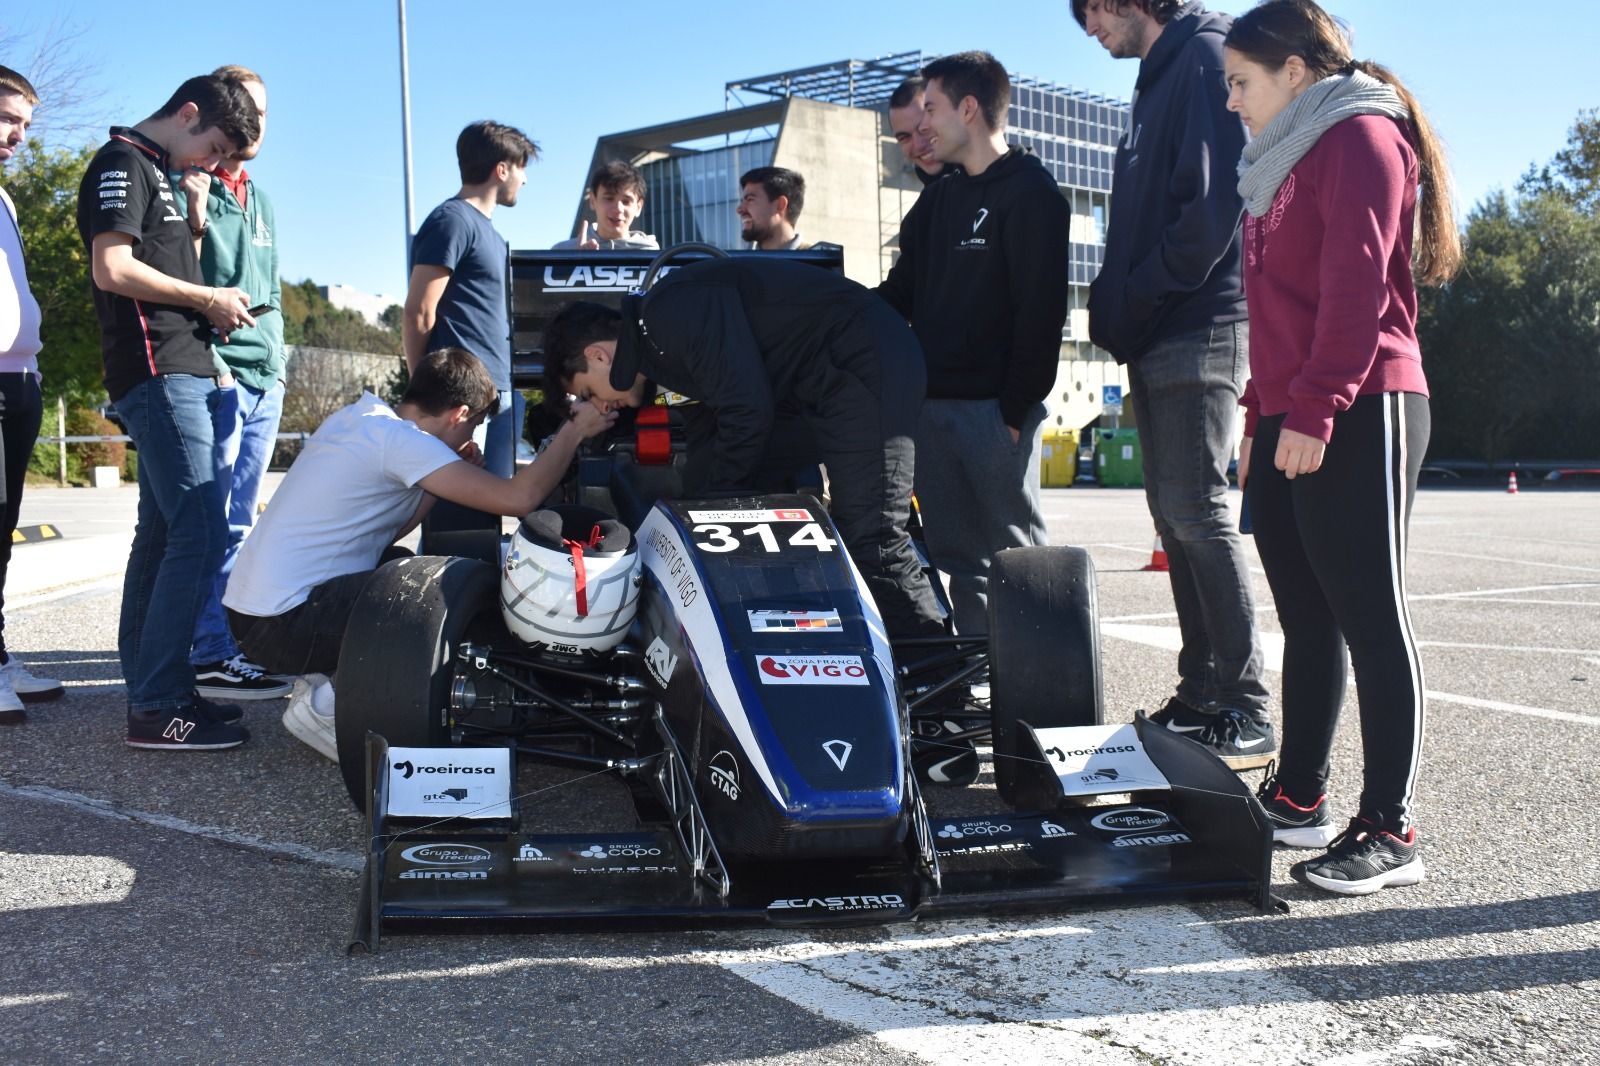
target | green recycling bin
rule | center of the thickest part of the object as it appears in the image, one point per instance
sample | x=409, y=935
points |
x=1117, y=462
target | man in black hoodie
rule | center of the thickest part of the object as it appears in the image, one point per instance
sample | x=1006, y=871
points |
x=1169, y=304
x=793, y=365
x=982, y=277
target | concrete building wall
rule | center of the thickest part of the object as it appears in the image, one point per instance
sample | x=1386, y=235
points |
x=837, y=150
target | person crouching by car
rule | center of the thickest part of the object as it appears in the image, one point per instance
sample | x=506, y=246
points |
x=366, y=478
x=793, y=365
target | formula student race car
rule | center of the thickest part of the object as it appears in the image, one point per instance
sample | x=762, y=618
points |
x=723, y=659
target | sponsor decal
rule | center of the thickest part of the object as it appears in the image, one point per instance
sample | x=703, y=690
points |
x=811, y=670
x=107, y=194
x=1050, y=829
x=457, y=795
x=529, y=853
x=446, y=854
x=839, y=751
x=648, y=868
x=1157, y=840
x=781, y=514
x=660, y=661
x=445, y=875
x=1061, y=754
x=679, y=579
x=407, y=768
x=794, y=621
x=834, y=904
x=1096, y=776
x=1128, y=819
x=954, y=831
x=105, y=174
x=983, y=213
x=560, y=649
x=724, y=773
x=619, y=851
x=595, y=277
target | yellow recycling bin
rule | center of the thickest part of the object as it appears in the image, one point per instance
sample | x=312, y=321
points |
x=1058, y=458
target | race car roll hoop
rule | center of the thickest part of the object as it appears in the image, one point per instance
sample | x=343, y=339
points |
x=729, y=666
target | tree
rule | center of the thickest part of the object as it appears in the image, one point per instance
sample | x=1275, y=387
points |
x=1513, y=343
x=44, y=184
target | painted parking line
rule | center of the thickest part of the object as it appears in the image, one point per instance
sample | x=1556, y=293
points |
x=1506, y=560
x=1472, y=594
x=1169, y=638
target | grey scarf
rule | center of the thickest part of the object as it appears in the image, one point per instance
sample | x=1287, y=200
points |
x=1268, y=158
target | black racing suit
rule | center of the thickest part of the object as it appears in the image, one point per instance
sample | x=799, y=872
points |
x=797, y=365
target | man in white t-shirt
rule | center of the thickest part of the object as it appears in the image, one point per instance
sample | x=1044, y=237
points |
x=366, y=478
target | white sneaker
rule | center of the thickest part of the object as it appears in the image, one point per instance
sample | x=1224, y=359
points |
x=26, y=686
x=11, y=712
x=309, y=718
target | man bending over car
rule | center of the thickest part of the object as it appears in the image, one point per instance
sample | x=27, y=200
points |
x=366, y=478
x=792, y=365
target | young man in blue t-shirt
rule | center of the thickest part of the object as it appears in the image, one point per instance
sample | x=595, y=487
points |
x=457, y=295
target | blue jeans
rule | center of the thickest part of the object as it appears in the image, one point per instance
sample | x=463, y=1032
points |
x=1185, y=396
x=179, y=541
x=245, y=423
x=979, y=494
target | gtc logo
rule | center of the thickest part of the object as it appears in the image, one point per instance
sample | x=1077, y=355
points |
x=1094, y=777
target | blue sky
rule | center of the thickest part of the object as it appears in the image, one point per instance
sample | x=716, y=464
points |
x=1503, y=85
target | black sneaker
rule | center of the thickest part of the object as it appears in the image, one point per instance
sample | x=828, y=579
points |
x=1295, y=826
x=1362, y=860
x=225, y=713
x=1239, y=740
x=185, y=729
x=238, y=679
x=1182, y=718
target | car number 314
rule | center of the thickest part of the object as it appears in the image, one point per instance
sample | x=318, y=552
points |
x=719, y=538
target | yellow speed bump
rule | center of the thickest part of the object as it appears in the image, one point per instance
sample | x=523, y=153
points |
x=34, y=534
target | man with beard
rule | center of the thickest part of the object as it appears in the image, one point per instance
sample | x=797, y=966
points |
x=235, y=234
x=457, y=295
x=770, y=200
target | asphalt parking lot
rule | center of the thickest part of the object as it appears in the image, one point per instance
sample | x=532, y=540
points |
x=195, y=908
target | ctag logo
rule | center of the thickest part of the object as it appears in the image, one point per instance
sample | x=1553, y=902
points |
x=724, y=773
x=660, y=661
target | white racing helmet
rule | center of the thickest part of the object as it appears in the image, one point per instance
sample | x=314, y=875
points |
x=571, y=580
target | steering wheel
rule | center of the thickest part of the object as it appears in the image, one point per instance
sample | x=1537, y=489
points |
x=676, y=250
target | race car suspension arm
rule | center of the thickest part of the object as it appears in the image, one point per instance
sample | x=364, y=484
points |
x=675, y=790
x=964, y=674
x=481, y=661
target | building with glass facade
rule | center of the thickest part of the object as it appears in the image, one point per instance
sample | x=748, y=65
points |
x=830, y=123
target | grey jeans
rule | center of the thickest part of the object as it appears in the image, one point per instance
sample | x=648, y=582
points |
x=1185, y=395
x=979, y=493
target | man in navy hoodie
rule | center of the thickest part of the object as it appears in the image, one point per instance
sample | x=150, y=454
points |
x=982, y=277
x=1169, y=304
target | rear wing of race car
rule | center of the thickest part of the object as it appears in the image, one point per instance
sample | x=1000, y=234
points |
x=544, y=279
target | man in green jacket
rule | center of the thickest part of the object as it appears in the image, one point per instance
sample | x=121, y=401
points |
x=236, y=238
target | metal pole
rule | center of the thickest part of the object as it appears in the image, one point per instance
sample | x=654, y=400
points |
x=405, y=132
x=61, y=431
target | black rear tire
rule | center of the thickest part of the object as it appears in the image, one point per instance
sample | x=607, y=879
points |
x=1044, y=648
x=397, y=661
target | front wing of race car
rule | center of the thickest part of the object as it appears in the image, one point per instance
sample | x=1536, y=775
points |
x=1203, y=836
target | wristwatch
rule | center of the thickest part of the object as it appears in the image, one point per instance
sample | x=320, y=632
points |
x=200, y=230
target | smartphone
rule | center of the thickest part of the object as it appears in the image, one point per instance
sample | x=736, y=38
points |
x=260, y=309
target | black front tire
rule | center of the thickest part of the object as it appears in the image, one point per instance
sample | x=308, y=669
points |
x=397, y=661
x=1044, y=649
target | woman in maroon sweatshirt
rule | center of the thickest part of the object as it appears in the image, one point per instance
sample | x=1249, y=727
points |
x=1336, y=415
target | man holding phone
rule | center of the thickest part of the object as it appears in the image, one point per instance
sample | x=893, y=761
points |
x=235, y=236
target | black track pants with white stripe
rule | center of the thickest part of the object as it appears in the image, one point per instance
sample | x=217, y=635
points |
x=1333, y=545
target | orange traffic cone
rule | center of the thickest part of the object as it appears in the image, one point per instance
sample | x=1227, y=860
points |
x=1511, y=485
x=1158, y=556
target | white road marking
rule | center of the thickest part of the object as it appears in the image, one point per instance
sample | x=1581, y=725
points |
x=34, y=881
x=1506, y=561
x=1133, y=986
x=1508, y=647
x=1169, y=638
x=1473, y=594
x=28, y=1001
x=110, y=584
x=338, y=860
